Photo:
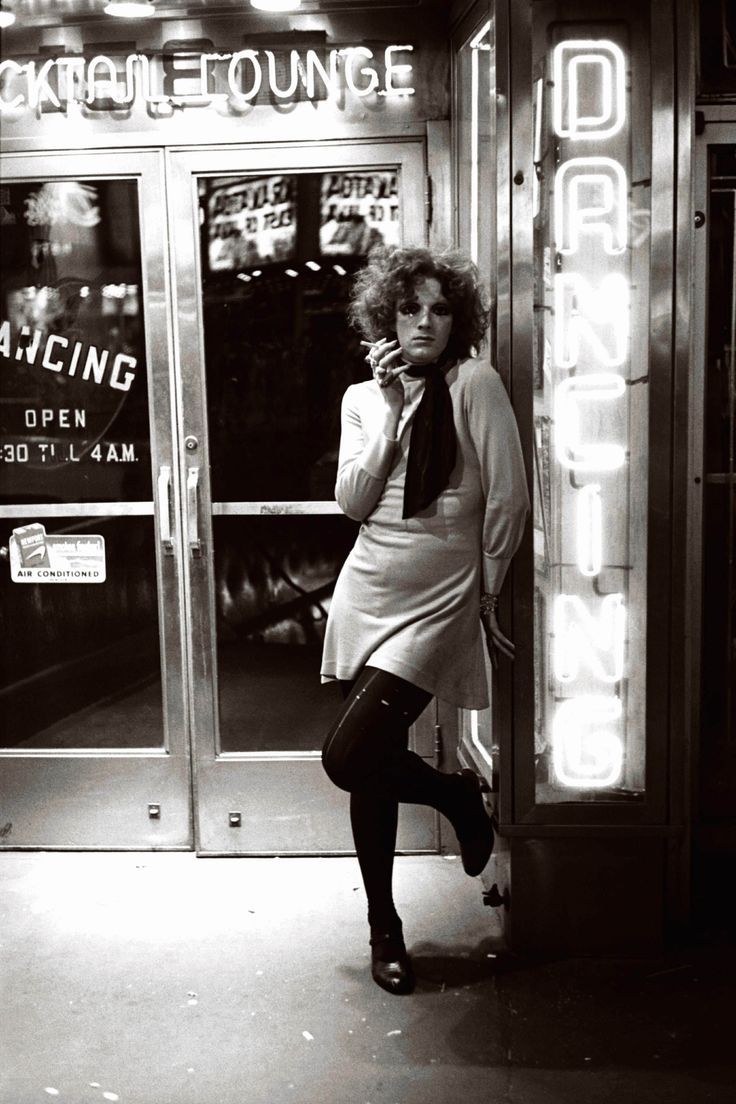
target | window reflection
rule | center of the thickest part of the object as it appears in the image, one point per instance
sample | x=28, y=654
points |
x=279, y=352
x=82, y=667
x=274, y=581
x=476, y=78
x=278, y=253
x=74, y=410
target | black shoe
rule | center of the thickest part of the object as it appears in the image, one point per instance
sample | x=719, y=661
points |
x=472, y=824
x=390, y=965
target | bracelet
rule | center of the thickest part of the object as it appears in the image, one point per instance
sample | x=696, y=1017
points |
x=488, y=602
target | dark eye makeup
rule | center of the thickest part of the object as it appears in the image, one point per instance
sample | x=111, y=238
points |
x=411, y=306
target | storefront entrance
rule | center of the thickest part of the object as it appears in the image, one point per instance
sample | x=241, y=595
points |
x=174, y=349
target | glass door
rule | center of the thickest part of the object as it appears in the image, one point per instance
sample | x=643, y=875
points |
x=264, y=252
x=475, y=152
x=93, y=721
x=713, y=505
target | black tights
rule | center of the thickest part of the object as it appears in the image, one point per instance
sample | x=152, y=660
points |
x=366, y=753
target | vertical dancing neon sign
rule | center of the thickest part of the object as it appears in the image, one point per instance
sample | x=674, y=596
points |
x=590, y=353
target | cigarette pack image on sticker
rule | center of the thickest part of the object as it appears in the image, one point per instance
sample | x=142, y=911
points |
x=40, y=557
x=31, y=540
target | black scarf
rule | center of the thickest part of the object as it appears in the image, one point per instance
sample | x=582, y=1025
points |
x=433, y=444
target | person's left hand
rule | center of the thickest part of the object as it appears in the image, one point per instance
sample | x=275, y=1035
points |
x=495, y=639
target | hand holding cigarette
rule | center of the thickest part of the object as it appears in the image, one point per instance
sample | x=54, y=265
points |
x=382, y=358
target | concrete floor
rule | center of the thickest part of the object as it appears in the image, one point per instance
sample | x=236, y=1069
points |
x=165, y=979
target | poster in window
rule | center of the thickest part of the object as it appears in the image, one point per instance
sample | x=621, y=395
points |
x=359, y=210
x=249, y=222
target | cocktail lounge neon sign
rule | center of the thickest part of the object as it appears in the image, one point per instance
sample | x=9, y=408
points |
x=590, y=349
x=102, y=82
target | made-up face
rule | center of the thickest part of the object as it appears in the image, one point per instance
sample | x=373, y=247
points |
x=424, y=323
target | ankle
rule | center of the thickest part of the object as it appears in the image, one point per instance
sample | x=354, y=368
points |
x=384, y=922
x=388, y=946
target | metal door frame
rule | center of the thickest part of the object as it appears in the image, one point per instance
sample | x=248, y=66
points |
x=222, y=785
x=92, y=816
x=107, y=794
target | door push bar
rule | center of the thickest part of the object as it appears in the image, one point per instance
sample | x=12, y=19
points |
x=195, y=544
x=164, y=509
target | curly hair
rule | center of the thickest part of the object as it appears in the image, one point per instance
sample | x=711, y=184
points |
x=392, y=274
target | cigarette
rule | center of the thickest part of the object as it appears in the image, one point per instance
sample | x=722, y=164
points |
x=367, y=344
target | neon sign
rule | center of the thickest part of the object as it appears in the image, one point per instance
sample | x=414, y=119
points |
x=586, y=179
x=578, y=57
x=590, y=354
x=187, y=80
x=587, y=754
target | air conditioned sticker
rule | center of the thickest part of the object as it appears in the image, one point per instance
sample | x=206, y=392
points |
x=40, y=557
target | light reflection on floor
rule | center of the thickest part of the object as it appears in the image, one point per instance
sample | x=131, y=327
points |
x=165, y=979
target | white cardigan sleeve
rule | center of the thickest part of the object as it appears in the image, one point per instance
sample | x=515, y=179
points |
x=364, y=460
x=494, y=434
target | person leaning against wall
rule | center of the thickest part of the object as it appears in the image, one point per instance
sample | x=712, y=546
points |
x=430, y=463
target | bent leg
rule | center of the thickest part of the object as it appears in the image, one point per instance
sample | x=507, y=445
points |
x=366, y=753
x=370, y=731
x=366, y=750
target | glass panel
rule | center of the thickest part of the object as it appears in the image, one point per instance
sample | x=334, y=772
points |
x=476, y=82
x=277, y=255
x=278, y=350
x=716, y=770
x=274, y=580
x=719, y=427
x=74, y=402
x=475, y=121
x=82, y=666
x=477, y=733
x=591, y=259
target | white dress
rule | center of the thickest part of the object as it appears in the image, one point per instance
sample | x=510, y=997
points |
x=406, y=600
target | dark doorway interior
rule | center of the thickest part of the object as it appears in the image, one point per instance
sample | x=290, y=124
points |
x=714, y=853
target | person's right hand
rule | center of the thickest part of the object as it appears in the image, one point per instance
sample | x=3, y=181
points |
x=384, y=358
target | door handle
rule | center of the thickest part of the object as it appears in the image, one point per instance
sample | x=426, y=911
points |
x=195, y=544
x=164, y=509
